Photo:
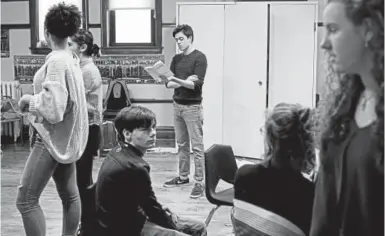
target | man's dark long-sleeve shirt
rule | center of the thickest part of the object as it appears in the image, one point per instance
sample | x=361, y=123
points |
x=184, y=66
x=124, y=195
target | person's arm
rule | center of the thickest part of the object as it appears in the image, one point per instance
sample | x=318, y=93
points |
x=199, y=70
x=51, y=102
x=92, y=82
x=149, y=203
x=170, y=84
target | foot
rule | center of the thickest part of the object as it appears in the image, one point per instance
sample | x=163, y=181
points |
x=197, y=191
x=175, y=182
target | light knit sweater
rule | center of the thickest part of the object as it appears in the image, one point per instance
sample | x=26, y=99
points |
x=93, y=88
x=58, y=110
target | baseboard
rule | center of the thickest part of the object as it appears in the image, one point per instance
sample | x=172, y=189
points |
x=165, y=137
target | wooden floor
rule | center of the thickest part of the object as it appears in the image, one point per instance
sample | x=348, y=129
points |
x=163, y=167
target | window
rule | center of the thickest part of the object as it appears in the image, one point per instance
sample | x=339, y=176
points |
x=131, y=30
x=127, y=30
x=38, y=10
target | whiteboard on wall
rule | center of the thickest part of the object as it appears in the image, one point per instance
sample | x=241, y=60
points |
x=209, y=39
x=292, y=54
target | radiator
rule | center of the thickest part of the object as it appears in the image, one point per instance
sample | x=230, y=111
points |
x=11, y=89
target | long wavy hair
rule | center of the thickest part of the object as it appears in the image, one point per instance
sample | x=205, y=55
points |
x=337, y=107
x=289, y=134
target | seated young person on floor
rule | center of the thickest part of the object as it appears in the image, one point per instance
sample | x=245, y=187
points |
x=277, y=184
x=125, y=201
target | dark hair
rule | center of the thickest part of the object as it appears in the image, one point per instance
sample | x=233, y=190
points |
x=134, y=117
x=63, y=20
x=186, y=30
x=337, y=108
x=289, y=133
x=85, y=37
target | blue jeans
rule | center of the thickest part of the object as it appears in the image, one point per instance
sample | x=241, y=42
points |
x=184, y=227
x=38, y=170
x=188, y=122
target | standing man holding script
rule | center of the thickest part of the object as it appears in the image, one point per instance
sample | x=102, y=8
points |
x=189, y=68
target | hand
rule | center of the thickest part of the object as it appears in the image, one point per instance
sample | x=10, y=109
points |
x=24, y=102
x=172, y=78
x=167, y=209
x=173, y=216
x=192, y=78
x=164, y=78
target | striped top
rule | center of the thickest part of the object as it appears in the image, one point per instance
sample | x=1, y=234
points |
x=58, y=108
x=249, y=219
x=93, y=89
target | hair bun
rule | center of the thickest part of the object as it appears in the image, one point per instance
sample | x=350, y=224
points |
x=95, y=50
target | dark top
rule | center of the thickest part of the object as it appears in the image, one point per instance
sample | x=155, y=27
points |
x=184, y=66
x=284, y=192
x=349, y=198
x=124, y=196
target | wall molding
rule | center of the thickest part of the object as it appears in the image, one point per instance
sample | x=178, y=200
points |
x=94, y=25
x=15, y=26
x=169, y=25
x=150, y=100
x=164, y=25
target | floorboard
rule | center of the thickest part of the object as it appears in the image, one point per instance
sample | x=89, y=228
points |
x=163, y=167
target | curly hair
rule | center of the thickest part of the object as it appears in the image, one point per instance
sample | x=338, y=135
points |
x=84, y=36
x=63, y=20
x=337, y=107
x=289, y=133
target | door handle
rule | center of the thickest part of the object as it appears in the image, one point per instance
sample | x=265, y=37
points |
x=260, y=83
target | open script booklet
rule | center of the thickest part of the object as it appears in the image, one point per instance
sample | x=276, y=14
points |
x=159, y=70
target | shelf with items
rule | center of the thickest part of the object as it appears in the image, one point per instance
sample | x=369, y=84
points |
x=129, y=67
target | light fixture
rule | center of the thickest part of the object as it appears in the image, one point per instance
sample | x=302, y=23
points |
x=131, y=4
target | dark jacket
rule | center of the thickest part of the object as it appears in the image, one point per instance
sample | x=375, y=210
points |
x=349, y=196
x=124, y=195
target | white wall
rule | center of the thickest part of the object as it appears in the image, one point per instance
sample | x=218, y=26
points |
x=18, y=13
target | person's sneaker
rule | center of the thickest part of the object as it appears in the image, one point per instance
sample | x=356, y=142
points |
x=175, y=182
x=197, y=191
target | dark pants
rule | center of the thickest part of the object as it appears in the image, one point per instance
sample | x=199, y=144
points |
x=184, y=227
x=85, y=163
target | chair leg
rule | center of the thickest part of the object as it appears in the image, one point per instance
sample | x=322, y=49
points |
x=207, y=222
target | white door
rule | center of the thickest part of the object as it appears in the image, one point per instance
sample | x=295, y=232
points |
x=207, y=22
x=245, y=69
x=292, y=54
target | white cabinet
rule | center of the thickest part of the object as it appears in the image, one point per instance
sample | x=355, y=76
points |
x=244, y=89
x=259, y=54
x=292, y=54
x=209, y=38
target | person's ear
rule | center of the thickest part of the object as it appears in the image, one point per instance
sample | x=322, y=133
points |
x=83, y=48
x=127, y=135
